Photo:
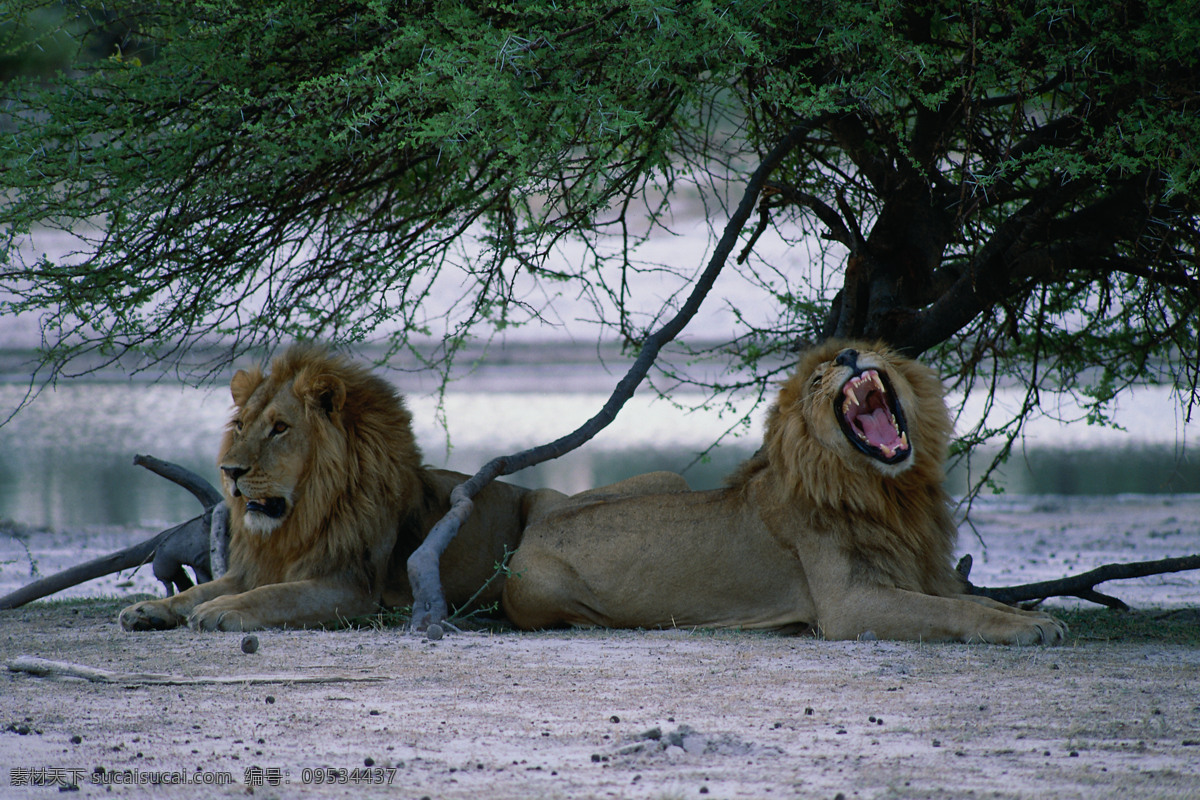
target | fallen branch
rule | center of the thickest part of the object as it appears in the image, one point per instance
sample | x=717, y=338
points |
x=60, y=670
x=429, y=602
x=129, y=558
x=196, y=543
x=1082, y=585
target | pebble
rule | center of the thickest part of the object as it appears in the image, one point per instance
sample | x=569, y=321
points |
x=250, y=643
x=434, y=632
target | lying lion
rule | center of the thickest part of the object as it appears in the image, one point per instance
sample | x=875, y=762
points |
x=839, y=525
x=327, y=499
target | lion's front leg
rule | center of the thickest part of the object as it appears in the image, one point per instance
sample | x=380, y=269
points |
x=295, y=604
x=988, y=602
x=849, y=608
x=888, y=613
x=171, y=612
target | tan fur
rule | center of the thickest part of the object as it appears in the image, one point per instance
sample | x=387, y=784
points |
x=810, y=534
x=335, y=444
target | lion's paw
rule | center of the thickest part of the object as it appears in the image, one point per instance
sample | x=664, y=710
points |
x=1037, y=628
x=150, y=615
x=221, y=615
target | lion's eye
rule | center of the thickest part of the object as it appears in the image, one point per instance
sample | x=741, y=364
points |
x=278, y=428
x=237, y=425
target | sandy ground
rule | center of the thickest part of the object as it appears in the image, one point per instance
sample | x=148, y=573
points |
x=678, y=714
x=595, y=714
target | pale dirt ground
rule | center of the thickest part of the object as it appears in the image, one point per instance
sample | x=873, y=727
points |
x=570, y=714
x=567, y=714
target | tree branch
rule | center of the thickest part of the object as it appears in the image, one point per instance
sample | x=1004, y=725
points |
x=844, y=231
x=1082, y=585
x=57, y=670
x=190, y=544
x=859, y=144
x=987, y=280
x=194, y=530
x=429, y=603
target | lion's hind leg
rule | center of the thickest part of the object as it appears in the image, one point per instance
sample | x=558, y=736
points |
x=545, y=592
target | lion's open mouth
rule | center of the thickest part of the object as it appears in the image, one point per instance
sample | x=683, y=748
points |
x=273, y=507
x=871, y=417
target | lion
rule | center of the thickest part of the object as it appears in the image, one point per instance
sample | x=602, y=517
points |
x=839, y=526
x=327, y=498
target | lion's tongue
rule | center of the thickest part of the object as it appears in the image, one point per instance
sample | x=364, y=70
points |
x=879, y=430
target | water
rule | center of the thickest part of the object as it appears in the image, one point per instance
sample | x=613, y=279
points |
x=1075, y=497
x=66, y=460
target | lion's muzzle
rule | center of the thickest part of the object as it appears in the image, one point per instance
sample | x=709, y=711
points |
x=232, y=474
x=273, y=507
x=871, y=417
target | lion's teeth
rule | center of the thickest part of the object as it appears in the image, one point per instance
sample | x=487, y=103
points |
x=878, y=381
x=904, y=437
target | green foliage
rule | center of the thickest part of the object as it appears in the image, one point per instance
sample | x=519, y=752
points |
x=306, y=168
x=1009, y=188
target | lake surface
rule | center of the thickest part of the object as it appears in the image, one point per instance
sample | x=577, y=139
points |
x=1075, y=497
x=66, y=460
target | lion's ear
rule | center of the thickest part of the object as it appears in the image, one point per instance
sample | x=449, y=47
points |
x=243, y=385
x=327, y=392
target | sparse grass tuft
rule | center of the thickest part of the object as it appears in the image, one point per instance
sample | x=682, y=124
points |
x=98, y=605
x=1169, y=626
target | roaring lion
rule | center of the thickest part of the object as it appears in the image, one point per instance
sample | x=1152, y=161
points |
x=839, y=525
x=328, y=498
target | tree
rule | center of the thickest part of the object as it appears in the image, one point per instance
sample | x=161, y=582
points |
x=1008, y=189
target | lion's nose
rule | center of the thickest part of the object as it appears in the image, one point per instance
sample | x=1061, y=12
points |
x=234, y=472
x=847, y=358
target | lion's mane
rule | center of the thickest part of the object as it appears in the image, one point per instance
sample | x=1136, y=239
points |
x=900, y=530
x=364, y=465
